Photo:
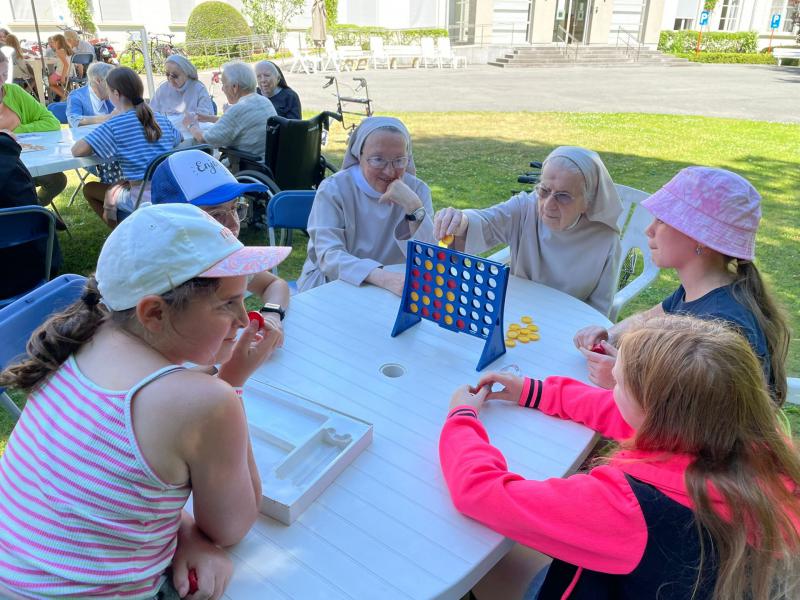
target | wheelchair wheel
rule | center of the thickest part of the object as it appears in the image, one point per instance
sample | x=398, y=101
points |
x=257, y=212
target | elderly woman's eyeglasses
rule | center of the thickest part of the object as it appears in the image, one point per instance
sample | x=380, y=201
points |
x=172, y=75
x=543, y=193
x=238, y=209
x=376, y=162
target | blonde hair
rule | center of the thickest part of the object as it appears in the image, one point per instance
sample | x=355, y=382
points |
x=703, y=393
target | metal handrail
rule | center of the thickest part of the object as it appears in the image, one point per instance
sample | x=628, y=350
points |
x=568, y=42
x=632, y=44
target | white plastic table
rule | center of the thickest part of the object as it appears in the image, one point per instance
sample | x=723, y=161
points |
x=386, y=527
x=57, y=155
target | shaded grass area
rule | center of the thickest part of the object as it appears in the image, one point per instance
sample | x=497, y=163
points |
x=473, y=159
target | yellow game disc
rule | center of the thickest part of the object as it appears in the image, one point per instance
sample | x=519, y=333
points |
x=524, y=339
x=439, y=280
x=428, y=265
x=448, y=308
x=414, y=296
x=440, y=269
x=426, y=301
x=512, y=334
x=413, y=307
x=451, y=296
x=446, y=241
x=511, y=343
x=514, y=326
x=438, y=292
x=532, y=327
x=526, y=319
x=467, y=263
x=534, y=337
x=448, y=319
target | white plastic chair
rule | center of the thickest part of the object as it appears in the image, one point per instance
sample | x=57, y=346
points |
x=793, y=392
x=633, y=238
x=377, y=52
x=429, y=55
x=331, y=55
x=307, y=62
x=446, y=54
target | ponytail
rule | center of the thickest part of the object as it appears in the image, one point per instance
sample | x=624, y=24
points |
x=750, y=290
x=129, y=85
x=59, y=337
x=144, y=113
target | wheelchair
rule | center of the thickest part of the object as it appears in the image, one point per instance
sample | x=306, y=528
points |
x=293, y=159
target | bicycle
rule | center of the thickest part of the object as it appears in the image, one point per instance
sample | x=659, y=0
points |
x=158, y=50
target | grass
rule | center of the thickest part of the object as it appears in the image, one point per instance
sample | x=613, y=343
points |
x=473, y=159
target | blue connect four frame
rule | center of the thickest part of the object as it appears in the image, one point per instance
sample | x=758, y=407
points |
x=457, y=291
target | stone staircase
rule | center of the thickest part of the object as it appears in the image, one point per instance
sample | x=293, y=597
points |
x=595, y=55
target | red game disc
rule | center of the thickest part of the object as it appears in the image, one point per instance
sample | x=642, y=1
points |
x=415, y=284
x=451, y=283
x=256, y=316
x=441, y=256
x=460, y=323
x=427, y=276
x=437, y=303
x=192, y=581
x=437, y=316
x=426, y=288
x=425, y=312
x=599, y=349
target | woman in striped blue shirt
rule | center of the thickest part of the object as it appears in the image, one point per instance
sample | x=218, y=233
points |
x=133, y=138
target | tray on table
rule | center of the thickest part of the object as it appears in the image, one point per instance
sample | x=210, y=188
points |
x=300, y=447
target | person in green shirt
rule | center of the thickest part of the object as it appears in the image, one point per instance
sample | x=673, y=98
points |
x=21, y=113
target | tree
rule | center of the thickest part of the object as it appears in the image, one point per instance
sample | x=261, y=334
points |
x=82, y=15
x=331, y=10
x=214, y=21
x=269, y=17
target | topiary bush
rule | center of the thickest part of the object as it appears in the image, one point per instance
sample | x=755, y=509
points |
x=355, y=35
x=728, y=58
x=713, y=41
x=214, y=21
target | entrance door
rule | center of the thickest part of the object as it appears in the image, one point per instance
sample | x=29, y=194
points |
x=571, y=16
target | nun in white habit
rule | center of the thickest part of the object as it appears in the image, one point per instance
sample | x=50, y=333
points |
x=182, y=92
x=364, y=215
x=564, y=234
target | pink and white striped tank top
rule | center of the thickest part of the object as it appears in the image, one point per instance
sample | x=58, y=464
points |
x=81, y=513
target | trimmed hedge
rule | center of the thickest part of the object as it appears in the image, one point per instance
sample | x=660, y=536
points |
x=202, y=63
x=214, y=20
x=713, y=41
x=355, y=35
x=728, y=58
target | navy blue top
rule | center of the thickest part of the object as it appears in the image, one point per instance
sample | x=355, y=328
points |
x=720, y=303
x=286, y=103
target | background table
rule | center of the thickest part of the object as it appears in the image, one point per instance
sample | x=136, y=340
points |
x=57, y=155
x=386, y=528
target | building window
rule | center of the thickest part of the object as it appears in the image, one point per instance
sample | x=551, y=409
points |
x=681, y=24
x=115, y=10
x=789, y=10
x=21, y=9
x=729, y=15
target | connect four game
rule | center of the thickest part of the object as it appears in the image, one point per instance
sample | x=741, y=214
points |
x=457, y=291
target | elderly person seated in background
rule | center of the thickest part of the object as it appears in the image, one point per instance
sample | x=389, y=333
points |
x=90, y=104
x=244, y=124
x=364, y=215
x=272, y=84
x=564, y=234
x=78, y=46
x=182, y=93
x=23, y=73
x=21, y=113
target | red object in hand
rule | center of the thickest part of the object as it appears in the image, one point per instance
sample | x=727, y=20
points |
x=256, y=316
x=192, y=581
x=599, y=349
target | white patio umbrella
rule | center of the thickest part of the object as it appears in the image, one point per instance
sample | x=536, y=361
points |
x=318, y=20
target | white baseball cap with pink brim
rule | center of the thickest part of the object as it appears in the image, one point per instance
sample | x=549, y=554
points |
x=159, y=247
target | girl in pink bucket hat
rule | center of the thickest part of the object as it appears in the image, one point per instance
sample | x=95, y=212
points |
x=705, y=228
x=104, y=456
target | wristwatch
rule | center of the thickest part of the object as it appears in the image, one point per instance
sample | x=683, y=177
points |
x=273, y=308
x=417, y=215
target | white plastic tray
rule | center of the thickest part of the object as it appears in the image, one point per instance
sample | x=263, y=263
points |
x=299, y=446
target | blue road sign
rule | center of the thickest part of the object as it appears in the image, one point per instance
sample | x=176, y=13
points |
x=704, y=18
x=775, y=21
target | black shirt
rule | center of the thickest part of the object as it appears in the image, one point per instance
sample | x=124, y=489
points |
x=286, y=103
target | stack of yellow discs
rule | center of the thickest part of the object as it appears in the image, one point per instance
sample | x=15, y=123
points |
x=523, y=332
x=446, y=241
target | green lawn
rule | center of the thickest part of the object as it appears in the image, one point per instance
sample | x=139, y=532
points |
x=473, y=159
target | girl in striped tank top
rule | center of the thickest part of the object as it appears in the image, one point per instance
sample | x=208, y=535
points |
x=116, y=434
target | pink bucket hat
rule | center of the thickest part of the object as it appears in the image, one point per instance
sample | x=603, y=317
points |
x=717, y=208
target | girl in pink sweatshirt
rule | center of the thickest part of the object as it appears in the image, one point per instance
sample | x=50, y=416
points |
x=702, y=500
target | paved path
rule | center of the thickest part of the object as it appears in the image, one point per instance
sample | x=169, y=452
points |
x=756, y=92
